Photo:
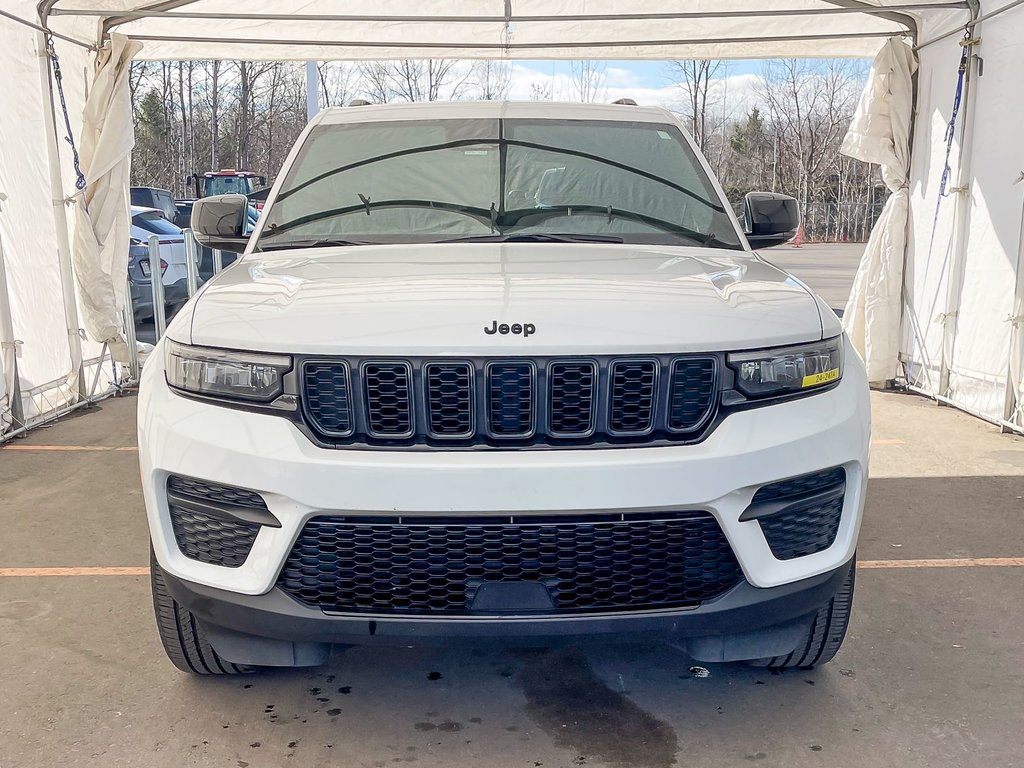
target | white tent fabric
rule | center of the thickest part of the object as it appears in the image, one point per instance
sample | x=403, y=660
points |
x=880, y=133
x=523, y=29
x=102, y=218
x=39, y=345
x=963, y=266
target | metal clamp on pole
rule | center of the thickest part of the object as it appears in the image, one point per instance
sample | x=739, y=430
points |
x=191, y=263
x=156, y=280
x=134, y=369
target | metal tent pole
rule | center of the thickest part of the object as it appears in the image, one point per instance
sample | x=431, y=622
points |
x=1012, y=410
x=9, y=345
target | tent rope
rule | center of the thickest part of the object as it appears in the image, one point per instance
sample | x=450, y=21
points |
x=69, y=138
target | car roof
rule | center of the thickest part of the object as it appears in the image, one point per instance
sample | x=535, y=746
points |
x=155, y=189
x=137, y=209
x=553, y=110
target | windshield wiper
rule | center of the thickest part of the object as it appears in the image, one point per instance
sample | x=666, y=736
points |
x=535, y=237
x=323, y=242
x=536, y=215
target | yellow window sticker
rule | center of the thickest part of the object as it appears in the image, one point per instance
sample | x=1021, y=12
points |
x=821, y=378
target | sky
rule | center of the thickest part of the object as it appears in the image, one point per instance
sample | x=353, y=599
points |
x=646, y=82
x=735, y=92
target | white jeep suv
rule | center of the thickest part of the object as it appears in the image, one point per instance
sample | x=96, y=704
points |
x=507, y=370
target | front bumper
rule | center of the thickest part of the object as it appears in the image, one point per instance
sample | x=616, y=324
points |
x=275, y=630
x=299, y=480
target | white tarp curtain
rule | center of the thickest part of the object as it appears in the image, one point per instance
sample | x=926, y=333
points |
x=880, y=133
x=38, y=351
x=521, y=29
x=964, y=275
x=102, y=216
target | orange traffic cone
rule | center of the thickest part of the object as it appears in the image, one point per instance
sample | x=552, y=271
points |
x=799, y=239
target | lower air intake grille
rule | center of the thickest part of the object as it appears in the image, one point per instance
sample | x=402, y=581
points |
x=806, y=525
x=587, y=564
x=207, y=536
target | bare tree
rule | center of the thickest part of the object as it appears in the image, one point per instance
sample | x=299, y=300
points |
x=491, y=80
x=588, y=80
x=540, y=91
x=698, y=81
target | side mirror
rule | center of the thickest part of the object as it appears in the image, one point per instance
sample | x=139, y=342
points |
x=220, y=222
x=770, y=219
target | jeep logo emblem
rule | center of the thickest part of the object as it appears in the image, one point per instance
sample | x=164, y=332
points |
x=524, y=329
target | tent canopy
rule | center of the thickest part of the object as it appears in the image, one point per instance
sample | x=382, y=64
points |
x=523, y=29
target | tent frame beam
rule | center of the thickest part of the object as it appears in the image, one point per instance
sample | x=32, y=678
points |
x=502, y=46
x=896, y=13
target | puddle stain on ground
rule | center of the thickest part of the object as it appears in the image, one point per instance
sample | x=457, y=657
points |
x=579, y=712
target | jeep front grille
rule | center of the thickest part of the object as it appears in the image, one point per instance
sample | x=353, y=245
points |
x=509, y=402
x=574, y=563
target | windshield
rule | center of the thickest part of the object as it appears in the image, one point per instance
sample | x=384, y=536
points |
x=229, y=185
x=155, y=223
x=443, y=180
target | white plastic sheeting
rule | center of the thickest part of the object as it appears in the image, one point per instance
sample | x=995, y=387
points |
x=880, y=133
x=523, y=29
x=964, y=270
x=102, y=214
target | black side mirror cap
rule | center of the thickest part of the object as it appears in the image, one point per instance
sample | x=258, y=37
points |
x=770, y=219
x=219, y=222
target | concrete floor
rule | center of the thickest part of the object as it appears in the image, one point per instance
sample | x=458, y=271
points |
x=931, y=674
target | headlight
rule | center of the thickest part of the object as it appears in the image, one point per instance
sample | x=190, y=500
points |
x=784, y=370
x=223, y=373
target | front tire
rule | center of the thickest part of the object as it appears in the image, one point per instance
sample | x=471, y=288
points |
x=824, y=636
x=183, y=638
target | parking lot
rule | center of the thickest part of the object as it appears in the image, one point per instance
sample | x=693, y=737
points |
x=931, y=673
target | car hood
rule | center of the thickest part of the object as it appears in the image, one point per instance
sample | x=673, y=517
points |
x=437, y=299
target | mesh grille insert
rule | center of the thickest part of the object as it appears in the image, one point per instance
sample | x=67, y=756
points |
x=571, y=399
x=693, y=393
x=586, y=566
x=450, y=399
x=388, y=403
x=632, y=396
x=328, y=401
x=510, y=399
x=207, y=537
x=803, y=529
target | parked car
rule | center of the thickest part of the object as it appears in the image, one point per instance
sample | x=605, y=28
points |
x=507, y=370
x=141, y=285
x=149, y=221
x=151, y=197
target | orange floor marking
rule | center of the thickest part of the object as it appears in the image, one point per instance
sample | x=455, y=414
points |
x=130, y=449
x=961, y=562
x=85, y=571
